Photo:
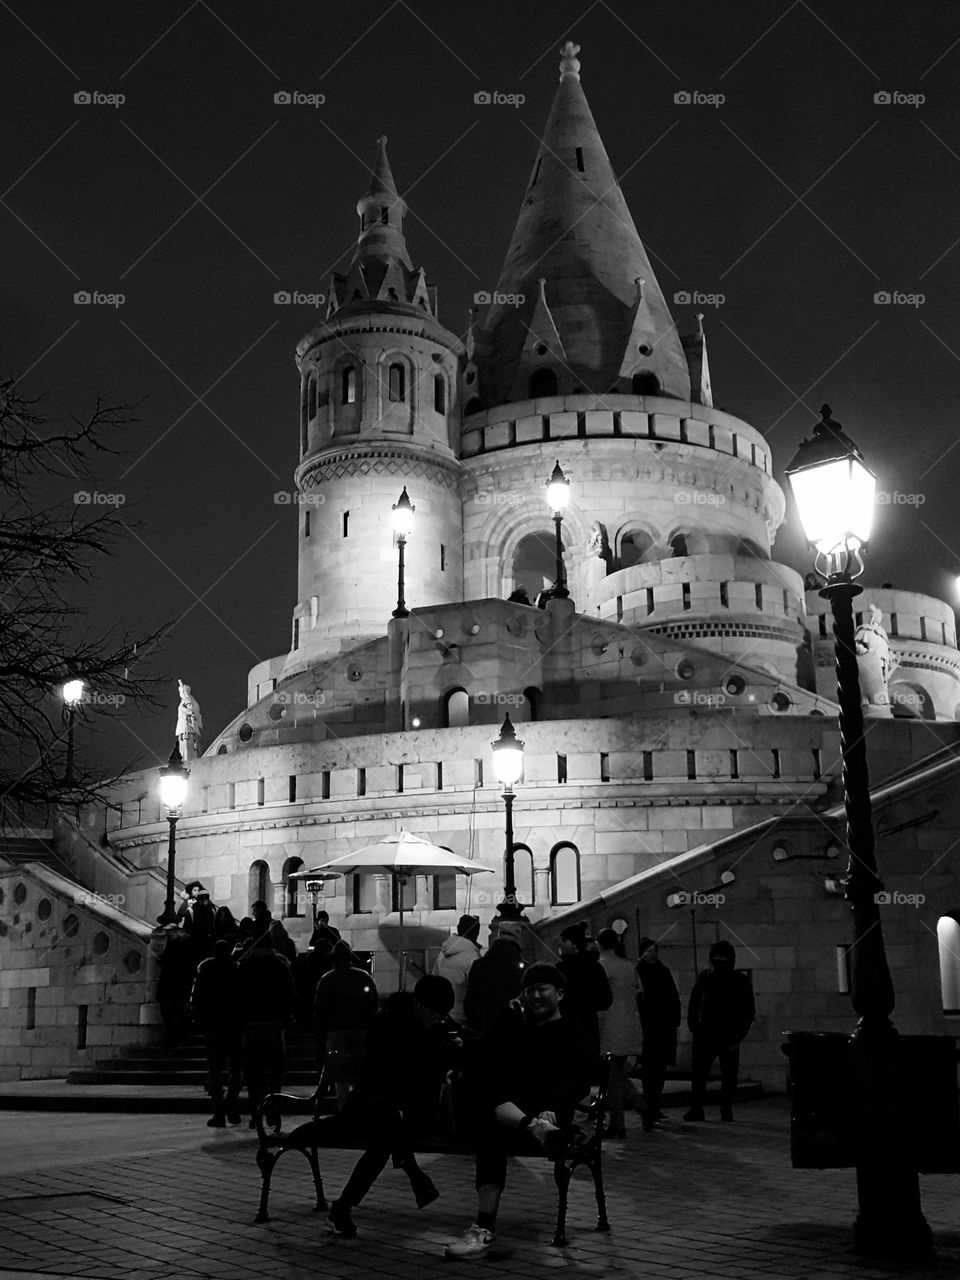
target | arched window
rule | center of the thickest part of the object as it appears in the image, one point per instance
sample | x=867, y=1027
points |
x=948, y=938
x=543, y=382
x=348, y=385
x=439, y=394
x=678, y=545
x=633, y=547
x=259, y=887
x=523, y=874
x=646, y=384
x=564, y=875
x=312, y=398
x=396, y=383
x=291, y=896
x=531, y=703
x=535, y=563
x=456, y=709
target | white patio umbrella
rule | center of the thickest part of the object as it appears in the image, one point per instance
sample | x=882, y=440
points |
x=401, y=856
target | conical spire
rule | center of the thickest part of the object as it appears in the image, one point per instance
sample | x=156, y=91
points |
x=381, y=213
x=575, y=232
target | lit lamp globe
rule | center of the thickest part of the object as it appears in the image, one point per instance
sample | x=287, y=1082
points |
x=403, y=510
x=173, y=781
x=834, y=491
x=72, y=693
x=507, y=755
x=558, y=490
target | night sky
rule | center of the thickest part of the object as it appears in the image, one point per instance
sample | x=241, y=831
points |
x=798, y=199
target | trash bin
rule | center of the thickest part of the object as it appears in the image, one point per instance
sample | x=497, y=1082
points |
x=822, y=1111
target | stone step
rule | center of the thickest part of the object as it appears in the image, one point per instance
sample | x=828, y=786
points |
x=152, y=1078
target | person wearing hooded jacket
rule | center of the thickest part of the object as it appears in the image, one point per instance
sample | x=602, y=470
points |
x=720, y=1013
x=456, y=959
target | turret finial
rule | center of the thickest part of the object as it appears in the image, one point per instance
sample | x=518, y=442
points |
x=569, y=64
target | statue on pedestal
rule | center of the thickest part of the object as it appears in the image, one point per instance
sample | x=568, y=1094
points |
x=189, y=723
x=877, y=662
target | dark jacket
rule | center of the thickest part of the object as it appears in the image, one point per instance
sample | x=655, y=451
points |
x=539, y=1067
x=721, y=1008
x=267, y=993
x=405, y=1064
x=492, y=982
x=215, y=1000
x=660, y=1011
x=588, y=992
x=346, y=1000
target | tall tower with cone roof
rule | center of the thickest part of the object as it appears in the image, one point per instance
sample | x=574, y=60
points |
x=378, y=411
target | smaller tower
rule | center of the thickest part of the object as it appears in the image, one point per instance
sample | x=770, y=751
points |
x=379, y=408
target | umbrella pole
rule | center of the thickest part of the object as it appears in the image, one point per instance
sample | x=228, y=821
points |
x=401, y=976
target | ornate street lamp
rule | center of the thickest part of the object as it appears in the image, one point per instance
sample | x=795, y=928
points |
x=508, y=766
x=834, y=492
x=403, y=511
x=173, y=791
x=558, y=495
x=72, y=694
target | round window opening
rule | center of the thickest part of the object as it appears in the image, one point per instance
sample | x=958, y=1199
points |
x=685, y=670
x=277, y=711
x=101, y=943
x=638, y=656
x=44, y=908
x=780, y=701
x=541, y=348
x=644, y=348
x=20, y=894
x=71, y=925
x=354, y=674
x=735, y=685
x=222, y=749
x=599, y=646
x=133, y=962
x=471, y=378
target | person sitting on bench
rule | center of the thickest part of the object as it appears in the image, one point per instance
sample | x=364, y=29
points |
x=411, y=1045
x=534, y=1068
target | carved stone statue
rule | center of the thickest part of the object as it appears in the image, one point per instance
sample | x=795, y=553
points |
x=599, y=543
x=189, y=723
x=876, y=660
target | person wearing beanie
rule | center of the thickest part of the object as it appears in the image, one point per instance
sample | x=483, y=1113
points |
x=588, y=991
x=411, y=1045
x=660, y=1013
x=456, y=958
x=345, y=1004
x=720, y=1013
x=533, y=1067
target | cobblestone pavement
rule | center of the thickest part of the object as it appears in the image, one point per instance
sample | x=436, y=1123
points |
x=130, y=1197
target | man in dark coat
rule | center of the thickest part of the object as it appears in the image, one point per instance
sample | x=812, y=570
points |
x=411, y=1045
x=587, y=991
x=268, y=1001
x=660, y=1012
x=345, y=1003
x=534, y=1067
x=493, y=980
x=215, y=1008
x=719, y=1015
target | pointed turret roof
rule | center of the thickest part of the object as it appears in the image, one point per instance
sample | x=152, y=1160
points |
x=575, y=233
x=381, y=273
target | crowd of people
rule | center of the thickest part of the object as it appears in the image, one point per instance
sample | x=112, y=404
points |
x=485, y=1046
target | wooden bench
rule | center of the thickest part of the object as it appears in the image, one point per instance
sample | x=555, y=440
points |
x=584, y=1148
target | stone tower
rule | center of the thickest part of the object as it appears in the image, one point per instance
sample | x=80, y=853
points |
x=379, y=410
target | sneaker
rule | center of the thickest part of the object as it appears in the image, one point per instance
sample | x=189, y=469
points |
x=341, y=1222
x=695, y=1115
x=474, y=1242
x=219, y=1121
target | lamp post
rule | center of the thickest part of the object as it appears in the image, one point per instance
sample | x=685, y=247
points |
x=558, y=495
x=173, y=791
x=403, y=510
x=834, y=492
x=508, y=765
x=72, y=694
x=314, y=888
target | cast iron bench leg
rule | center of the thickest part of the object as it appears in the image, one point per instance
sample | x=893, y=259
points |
x=266, y=1160
x=596, y=1168
x=311, y=1154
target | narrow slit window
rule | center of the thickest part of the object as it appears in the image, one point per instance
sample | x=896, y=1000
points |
x=691, y=765
x=400, y=779
x=604, y=767
x=758, y=595
x=648, y=766
x=345, y=524
x=396, y=383
x=443, y=558
x=261, y=791
x=348, y=385
x=292, y=787
x=725, y=595
x=816, y=762
x=776, y=762
x=325, y=784
x=306, y=524
x=685, y=592
x=561, y=768
x=439, y=394
x=385, y=216
x=580, y=159
x=536, y=171
x=734, y=765
x=439, y=775
x=361, y=782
